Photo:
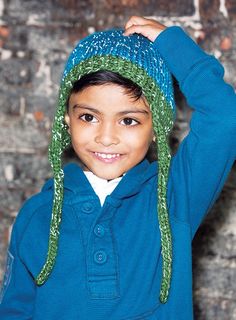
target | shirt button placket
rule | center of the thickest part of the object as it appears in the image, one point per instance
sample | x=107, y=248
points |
x=102, y=264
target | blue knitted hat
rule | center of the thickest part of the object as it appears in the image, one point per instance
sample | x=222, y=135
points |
x=133, y=57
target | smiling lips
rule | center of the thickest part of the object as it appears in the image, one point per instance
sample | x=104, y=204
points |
x=107, y=157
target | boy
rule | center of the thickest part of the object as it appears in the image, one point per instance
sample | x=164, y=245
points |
x=115, y=241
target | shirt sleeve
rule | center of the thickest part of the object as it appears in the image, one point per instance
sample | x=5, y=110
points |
x=205, y=157
x=18, y=287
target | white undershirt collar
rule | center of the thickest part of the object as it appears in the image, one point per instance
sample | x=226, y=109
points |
x=101, y=187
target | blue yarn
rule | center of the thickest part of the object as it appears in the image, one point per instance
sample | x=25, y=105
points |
x=135, y=48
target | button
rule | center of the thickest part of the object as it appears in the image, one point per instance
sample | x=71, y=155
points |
x=99, y=230
x=100, y=257
x=87, y=207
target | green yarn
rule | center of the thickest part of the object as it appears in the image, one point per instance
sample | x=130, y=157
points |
x=162, y=116
x=162, y=126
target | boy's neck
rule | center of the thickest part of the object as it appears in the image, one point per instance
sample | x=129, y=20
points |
x=108, y=180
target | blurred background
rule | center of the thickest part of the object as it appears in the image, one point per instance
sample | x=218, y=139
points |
x=35, y=40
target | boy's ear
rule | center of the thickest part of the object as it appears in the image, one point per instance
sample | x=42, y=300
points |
x=153, y=136
x=67, y=121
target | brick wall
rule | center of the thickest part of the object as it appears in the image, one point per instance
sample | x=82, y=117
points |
x=35, y=39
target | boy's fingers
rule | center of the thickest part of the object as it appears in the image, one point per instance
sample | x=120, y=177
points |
x=146, y=30
x=134, y=29
x=147, y=27
x=135, y=20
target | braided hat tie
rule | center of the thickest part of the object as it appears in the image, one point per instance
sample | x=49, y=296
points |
x=133, y=57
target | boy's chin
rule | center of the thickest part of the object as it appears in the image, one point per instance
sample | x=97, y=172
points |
x=100, y=174
x=107, y=176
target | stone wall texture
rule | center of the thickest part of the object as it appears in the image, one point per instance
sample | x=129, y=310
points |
x=35, y=39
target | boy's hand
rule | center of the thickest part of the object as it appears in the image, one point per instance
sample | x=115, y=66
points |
x=149, y=28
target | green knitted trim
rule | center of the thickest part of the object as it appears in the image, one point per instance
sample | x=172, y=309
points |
x=164, y=159
x=162, y=115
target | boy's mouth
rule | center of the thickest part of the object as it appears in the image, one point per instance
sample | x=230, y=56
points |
x=107, y=157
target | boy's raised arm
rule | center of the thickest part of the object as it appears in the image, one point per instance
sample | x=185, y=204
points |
x=206, y=155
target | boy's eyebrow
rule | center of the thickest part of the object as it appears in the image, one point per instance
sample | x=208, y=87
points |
x=142, y=111
x=84, y=106
x=121, y=113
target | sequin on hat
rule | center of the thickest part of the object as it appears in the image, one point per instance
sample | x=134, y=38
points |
x=135, y=58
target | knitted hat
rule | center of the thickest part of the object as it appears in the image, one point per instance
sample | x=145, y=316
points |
x=133, y=57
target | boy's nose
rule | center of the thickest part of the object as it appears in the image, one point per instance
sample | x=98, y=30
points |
x=107, y=135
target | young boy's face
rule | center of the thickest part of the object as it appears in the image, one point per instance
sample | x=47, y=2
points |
x=110, y=132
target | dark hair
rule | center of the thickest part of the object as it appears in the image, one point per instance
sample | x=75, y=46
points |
x=103, y=77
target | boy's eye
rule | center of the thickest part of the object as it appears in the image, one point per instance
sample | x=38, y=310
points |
x=88, y=118
x=129, y=122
